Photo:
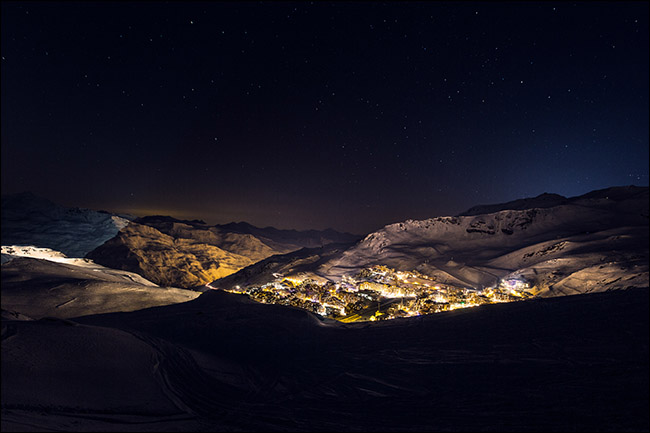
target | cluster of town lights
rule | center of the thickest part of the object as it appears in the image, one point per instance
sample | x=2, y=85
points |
x=380, y=293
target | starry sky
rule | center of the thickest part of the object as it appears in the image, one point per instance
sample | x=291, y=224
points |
x=349, y=115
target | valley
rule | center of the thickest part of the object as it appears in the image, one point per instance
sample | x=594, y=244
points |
x=524, y=318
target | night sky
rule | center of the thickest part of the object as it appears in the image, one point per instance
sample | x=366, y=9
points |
x=348, y=115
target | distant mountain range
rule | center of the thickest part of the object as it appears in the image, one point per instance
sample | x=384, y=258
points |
x=594, y=242
x=542, y=201
x=165, y=250
x=610, y=196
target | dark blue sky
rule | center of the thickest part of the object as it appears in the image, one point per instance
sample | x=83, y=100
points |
x=348, y=115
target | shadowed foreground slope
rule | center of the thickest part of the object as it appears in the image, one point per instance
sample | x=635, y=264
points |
x=222, y=362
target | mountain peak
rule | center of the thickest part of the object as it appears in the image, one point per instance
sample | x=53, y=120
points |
x=542, y=201
x=28, y=219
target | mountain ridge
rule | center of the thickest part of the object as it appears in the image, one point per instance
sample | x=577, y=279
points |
x=31, y=220
x=546, y=200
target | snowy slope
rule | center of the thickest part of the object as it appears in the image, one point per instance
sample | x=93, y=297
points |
x=39, y=282
x=225, y=363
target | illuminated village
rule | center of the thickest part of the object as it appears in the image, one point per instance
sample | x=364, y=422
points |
x=380, y=293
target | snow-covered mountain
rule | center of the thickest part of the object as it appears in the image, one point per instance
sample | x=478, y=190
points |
x=29, y=220
x=594, y=242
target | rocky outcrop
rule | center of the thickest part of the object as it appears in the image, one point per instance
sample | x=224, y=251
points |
x=189, y=254
x=167, y=260
x=234, y=242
